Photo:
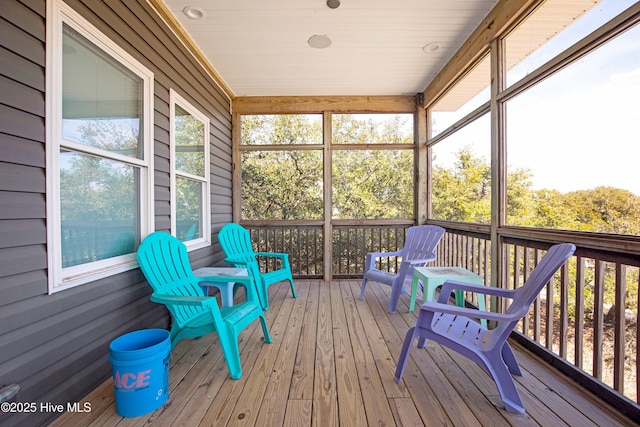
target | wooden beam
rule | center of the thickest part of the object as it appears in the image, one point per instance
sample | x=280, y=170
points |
x=187, y=41
x=422, y=170
x=495, y=24
x=319, y=104
x=236, y=168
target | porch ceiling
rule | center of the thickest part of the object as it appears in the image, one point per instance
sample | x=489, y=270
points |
x=259, y=47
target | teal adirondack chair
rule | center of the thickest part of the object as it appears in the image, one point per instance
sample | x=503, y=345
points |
x=236, y=244
x=165, y=263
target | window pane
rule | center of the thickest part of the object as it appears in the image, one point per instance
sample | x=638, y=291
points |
x=99, y=208
x=373, y=184
x=282, y=185
x=461, y=171
x=189, y=202
x=282, y=129
x=465, y=96
x=102, y=100
x=574, y=141
x=554, y=27
x=372, y=128
x=189, y=137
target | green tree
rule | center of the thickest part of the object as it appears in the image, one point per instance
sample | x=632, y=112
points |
x=288, y=184
x=606, y=210
x=463, y=192
x=373, y=184
x=282, y=185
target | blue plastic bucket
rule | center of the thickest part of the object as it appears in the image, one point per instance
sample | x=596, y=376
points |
x=140, y=363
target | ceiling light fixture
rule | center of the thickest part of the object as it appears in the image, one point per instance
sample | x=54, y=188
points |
x=431, y=47
x=192, y=12
x=333, y=4
x=319, y=41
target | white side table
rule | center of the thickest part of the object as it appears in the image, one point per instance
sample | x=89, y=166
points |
x=226, y=289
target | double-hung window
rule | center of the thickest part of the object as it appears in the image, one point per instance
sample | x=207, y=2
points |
x=99, y=158
x=190, y=220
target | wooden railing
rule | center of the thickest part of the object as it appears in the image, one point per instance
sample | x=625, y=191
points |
x=303, y=243
x=351, y=243
x=585, y=318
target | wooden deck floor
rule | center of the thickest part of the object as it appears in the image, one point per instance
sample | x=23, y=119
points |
x=332, y=362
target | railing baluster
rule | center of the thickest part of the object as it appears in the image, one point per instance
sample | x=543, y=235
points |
x=637, y=358
x=536, y=305
x=619, y=327
x=598, y=317
x=549, y=315
x=564, y=309
x=526, y=270
x=579, y=312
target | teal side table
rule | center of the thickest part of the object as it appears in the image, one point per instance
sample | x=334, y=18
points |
x=432, y=277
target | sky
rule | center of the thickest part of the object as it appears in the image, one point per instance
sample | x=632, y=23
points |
x=580, y=128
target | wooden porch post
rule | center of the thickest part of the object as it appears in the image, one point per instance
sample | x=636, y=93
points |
x=327, y=189
x=236, y=168
x=421, y=170
x=498, y=174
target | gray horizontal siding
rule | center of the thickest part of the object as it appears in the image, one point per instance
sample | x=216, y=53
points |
x=56, y=346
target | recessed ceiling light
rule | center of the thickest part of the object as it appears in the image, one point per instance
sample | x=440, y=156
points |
x=194, y=12
x=431, y=47
x=319, y=41
x=333, y=4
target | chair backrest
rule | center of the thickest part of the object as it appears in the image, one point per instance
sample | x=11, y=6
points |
x=235, y=241
x=555, y=257
x=421, y=242
x=164, y=261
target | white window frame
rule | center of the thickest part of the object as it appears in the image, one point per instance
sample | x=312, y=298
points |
x=176, y=99
x=59, y=278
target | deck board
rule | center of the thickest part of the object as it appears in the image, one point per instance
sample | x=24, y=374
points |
x=332, y=363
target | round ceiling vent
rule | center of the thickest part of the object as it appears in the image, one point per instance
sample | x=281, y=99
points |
x=319, y=41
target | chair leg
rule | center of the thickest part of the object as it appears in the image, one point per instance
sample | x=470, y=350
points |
x=175, y=331
x=293, y=290
x=506, y=385
x=364, y=285
x=265, y=331
x=396, y=290
x=404, y=354
x=230, y=351
x=263, y=296
x=510, y=360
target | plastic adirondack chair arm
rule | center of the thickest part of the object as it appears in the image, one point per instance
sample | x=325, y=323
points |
x=182, y=300
x=453, y=285
x=272, y=254
x=375, y=255
x=437, y=307
x=242, y=261
x=371, y=257
x=420, y=261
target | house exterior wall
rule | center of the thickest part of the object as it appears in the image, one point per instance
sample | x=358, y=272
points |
x=56, y=347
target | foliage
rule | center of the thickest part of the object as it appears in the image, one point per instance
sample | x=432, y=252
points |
x=95, y=189
x=282, y=185
x=98, y=196
x=288, y=184
x=463, y=192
